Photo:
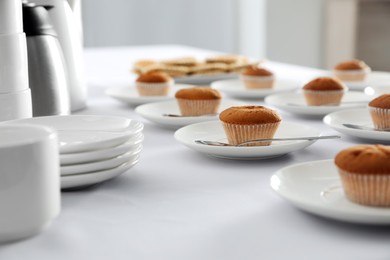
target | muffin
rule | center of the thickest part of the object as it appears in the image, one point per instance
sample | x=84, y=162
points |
x=246, y=123
x=153, y=84
x=323, y=91
x=380, y=112
x=352, y=70
x=365, y=174
x=198, y=101
x=257, y=78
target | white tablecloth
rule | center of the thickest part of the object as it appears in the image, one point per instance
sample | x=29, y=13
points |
x=179, y=204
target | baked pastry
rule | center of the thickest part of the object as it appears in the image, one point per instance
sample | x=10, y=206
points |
x=198, y=101
x=324, y=90
x=244, y=123
x=380, y=112
x=227, y=59
x=255, y=77
x=365, y=174
x=153, y=84
x=352, y=70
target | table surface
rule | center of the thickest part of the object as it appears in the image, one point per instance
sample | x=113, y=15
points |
x=179, y=204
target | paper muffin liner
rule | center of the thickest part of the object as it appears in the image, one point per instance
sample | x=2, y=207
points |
x=318, y=98
x=153, y=89
x=237, y=133
x=191, y=107
x=352, y=75
x=380, y=117
x=366, y=189
x=258, y=82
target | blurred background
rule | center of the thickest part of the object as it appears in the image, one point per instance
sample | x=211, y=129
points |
x=315, y=33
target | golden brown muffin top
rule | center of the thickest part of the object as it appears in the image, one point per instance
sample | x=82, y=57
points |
x=249, y=115
x=154, y=77
x=256, y=71
x=365, y=159
x=351, y=65
x=197, y=93
x=383, y=101
x=324, y=83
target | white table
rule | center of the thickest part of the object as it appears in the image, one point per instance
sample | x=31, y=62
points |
x=179, y=204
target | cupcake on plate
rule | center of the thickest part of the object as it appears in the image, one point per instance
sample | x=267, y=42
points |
x=352, y=70
x=255, y=77
x=198, y=101
x=244, y=123
x=153, y=84
x=323, y=91
x=380, y=112
x=365, y=174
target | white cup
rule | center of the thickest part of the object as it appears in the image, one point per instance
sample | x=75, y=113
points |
x=29, y=180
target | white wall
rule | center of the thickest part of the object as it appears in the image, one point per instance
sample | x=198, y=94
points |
x=294, y=31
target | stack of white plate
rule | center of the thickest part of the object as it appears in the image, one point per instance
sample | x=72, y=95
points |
x=93, y=148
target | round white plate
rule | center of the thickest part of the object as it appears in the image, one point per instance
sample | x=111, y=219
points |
x=315, y=187
x=357, y=117
x=80, y=133
x=205, y=78
x=88, y=179
x=155, y=113
x=129, y=95
x=295, y=103
x=373, y=79
x=76, y=158
x=235, y=88
x=213, y=131
x=99, y=165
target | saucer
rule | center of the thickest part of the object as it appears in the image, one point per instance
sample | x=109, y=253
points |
x=235, y=88
x=98, y=165
x=102, y=154
x=213, y=131
x=357, y=117
x=373, y=78
x=155, y=113
x=81, y=133
x=205, y=79
x=129, y=95
x=88, y=179
x=295, y=103
x=315, y=187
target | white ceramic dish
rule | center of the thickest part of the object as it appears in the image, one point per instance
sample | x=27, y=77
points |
x=235, y=88
x=88, y=179
x=295, y=103
x=205, y=79
x=80, y=133
x=155, y=113
x=83, y=168
x=373, y=79
x=102, y=154
x=129, y=95
x=213, y=131
x=357, y=117
x=315, y=187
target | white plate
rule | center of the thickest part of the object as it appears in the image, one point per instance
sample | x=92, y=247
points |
x=88, y=179
x=235, y=88
x=154, y=112
x=129, y=95
x=373, y=78
x=205, y=79
x=295, y=103
x=80, y=133
x=83, y=168
x=357, y=117
x=315, y=187
x=213, y=131
x=76, y=158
